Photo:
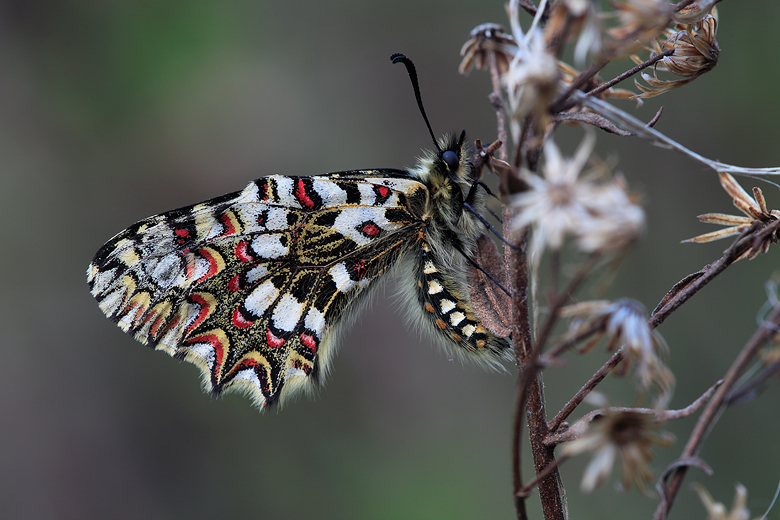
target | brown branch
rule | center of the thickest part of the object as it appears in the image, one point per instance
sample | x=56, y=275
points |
x=595, y=379
x=750, y=389
x=659, y=416
x=564, y=103
x=627, y=74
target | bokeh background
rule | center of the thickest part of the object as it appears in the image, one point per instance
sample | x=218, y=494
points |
x=113, y=111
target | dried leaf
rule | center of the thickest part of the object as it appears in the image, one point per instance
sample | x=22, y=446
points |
x=491, y=304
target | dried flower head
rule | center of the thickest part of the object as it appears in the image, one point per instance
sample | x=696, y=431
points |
x=695, y=12
x=627, y=434
x=485, y=39
x=624, y=323
x=575, y=17
x=589, y=39
x=564, y=201
x=640, y=22
x=531, y=81
x=717, y=511
x=616, y=220
x=695, y=52
x=754, y=208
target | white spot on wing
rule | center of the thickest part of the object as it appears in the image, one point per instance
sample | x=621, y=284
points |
x=193, y=311
x=200, y=267
x=248, y=194
x=341, y=277
x=256, y=273
x=367, y=195
x=102, y=281
x=205, y=351
x=287, y=313
x=165, y=270
x=315, y=321
x=293, y=372
x=250, y=375
x=261, y=298
x=269, y=246
x=110, y=304
x=351, y=218
x=434, y=287
x=284, y=188
x=277, y=218
x=330, y=192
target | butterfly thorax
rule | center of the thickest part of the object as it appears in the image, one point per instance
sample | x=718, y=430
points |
x=448, y=224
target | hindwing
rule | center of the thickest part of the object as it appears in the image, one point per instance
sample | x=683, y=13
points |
x=250, y=286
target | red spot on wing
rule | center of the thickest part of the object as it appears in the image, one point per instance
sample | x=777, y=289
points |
x=227, y=222
x=371, y=230
x=300, y=192
x=203, y=311
x=309, y=342
x=305, y=367
x=242, y=253
x=219, y=351
x=173, y=324
x=272, y=340
x=263, y=373
x=359, y=268
x=189, y=268
x=155, y=328
x=239, y=320
x=182, y=235
x=264, y=190
x=383, y=191
x=213, y=266
x=235, y=283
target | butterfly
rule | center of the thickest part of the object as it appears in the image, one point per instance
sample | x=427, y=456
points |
x=254, y=287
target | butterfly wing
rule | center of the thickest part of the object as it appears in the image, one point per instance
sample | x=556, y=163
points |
x=251, y=286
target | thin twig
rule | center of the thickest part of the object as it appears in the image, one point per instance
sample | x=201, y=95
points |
x=659, y=416
x=627, y=74
x=586, y=389
x=749, y=389
x=595, y=328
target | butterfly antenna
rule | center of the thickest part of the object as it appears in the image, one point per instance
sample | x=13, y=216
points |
x=396, y=58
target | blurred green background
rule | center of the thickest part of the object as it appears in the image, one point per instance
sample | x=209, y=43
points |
x=114, y=111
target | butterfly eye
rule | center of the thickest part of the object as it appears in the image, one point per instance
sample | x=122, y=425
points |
x=450, y=158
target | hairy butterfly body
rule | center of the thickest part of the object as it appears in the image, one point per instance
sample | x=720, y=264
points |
x=253, y=286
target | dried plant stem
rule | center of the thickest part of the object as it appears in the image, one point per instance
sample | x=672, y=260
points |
x=498, y=103
x=565, y=102
x=710, y=413
x=587, y=388
x=631, y=124
x=627, y=74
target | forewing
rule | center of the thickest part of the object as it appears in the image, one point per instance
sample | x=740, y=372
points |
x=250, y=286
